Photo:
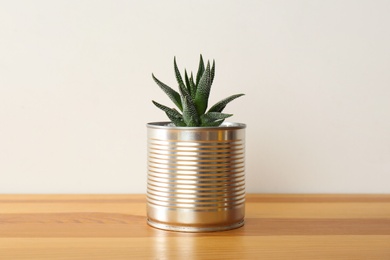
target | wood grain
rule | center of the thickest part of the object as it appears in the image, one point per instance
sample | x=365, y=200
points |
x=114, y=227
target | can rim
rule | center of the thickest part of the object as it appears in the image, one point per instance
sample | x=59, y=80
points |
x=223, y=126
x=195, y=229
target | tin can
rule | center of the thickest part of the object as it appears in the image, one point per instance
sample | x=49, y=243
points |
x=196, y=177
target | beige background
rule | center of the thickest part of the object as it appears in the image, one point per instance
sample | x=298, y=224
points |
x=75, y=90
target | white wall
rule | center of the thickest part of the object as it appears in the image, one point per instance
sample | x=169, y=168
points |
x=75, y=90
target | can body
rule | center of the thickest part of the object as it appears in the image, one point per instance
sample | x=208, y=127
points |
x=196, y=177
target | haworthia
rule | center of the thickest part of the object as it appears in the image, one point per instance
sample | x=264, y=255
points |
x=192, y=98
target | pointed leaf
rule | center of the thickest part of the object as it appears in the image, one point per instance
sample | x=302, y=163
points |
x=188, y=85
x=193, y=87
x=176, y=121
x=171, y=111
x=190, y=115
x=212, y=73
x=200, y=70
x=175, y=117
x=183, y=90
x=203, y=91
x=219, y=106
x=177, y=74
x=212, y=117
x=172, y=94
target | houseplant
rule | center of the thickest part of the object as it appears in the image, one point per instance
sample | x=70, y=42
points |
x=196, y=177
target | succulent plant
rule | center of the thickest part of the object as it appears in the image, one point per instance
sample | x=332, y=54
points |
x=192, y=98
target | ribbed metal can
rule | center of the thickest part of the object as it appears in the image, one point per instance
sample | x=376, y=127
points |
x=196, y=177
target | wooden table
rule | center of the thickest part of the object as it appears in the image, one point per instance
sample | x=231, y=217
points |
x=114, y=227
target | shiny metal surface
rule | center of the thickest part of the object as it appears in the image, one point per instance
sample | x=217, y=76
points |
x=196, y=177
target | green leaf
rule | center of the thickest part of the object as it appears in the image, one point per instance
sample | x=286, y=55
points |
x=219, y=106
x=188, y=85
x=200, y=70
x=172, y=94
x=193, y=86
x=203, y=91
x=177, y=73
x=171, y=111
x=183, y=90
x=212, y=73
x=190, y=115
x=176, y=121
x=210, y=118
x=172, y=114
